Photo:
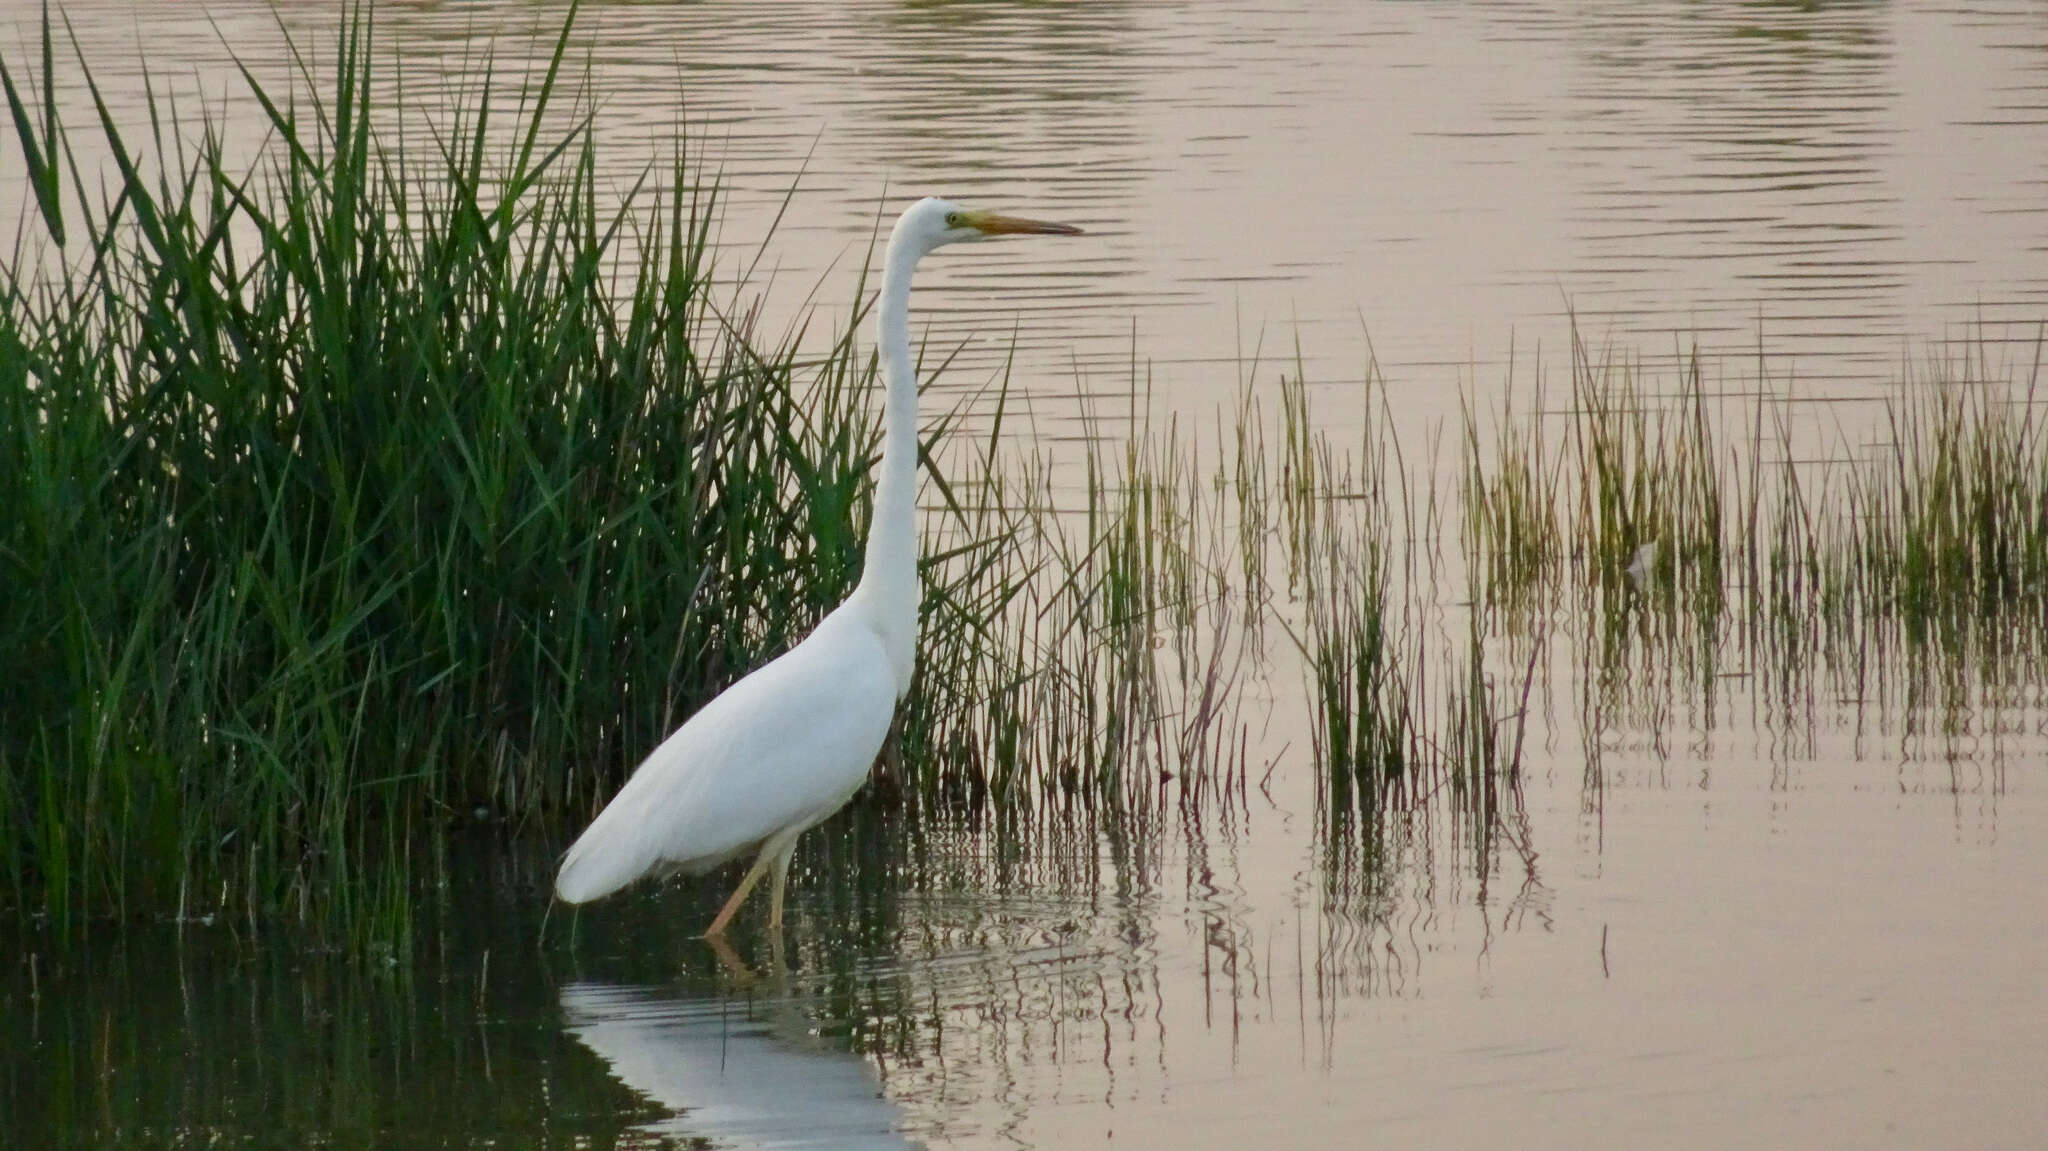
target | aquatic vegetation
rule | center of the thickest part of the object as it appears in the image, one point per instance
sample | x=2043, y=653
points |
x=1696, y=538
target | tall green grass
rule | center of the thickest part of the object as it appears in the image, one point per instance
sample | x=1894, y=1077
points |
x=392, y=480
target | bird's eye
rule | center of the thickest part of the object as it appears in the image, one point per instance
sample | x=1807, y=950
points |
x=952, y=219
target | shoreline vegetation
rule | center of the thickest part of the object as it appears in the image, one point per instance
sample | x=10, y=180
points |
x=370, y=490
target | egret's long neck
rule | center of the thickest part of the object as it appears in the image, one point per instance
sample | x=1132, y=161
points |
x=888, y=583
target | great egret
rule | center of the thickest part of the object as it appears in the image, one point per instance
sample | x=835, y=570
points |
x=785, y=747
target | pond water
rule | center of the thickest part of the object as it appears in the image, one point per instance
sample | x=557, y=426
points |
x=1732, y=952
x=1710, y=934
x=1429, y=186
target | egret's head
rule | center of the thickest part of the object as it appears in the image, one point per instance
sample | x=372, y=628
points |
x=932, y=222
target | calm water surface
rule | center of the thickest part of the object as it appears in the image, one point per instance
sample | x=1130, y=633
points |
x=1429, y=186
x=1727, y=951
x=1713, y=937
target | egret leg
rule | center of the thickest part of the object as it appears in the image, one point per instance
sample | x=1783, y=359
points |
x=782, y=858
x=735, y=969
x=739, y=895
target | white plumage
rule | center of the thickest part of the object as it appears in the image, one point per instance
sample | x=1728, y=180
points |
x=785, y=747
x=806, y=726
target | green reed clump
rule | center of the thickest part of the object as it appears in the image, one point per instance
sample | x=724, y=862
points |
x=1511, y=536
x=391, y=479
x=1616, y=510
x=1947, y=530
x=1351, y=545
x=1710, y=541
x=1621, y=507
x=1362, y=656
x=1648, y=479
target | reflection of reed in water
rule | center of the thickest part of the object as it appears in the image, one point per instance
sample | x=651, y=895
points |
x=739, y=1073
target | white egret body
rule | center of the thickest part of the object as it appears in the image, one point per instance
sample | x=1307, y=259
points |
x=785, y=747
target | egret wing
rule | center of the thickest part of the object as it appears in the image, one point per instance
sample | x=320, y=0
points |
x=782, y=748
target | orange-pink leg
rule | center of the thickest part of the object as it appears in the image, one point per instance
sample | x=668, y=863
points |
x=775, y=856
x=739, y=896
x=781, y=868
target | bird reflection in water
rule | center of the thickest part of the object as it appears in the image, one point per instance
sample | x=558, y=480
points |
x=736, y=1071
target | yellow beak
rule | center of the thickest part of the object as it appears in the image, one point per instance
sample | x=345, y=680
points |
x=990, y=224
